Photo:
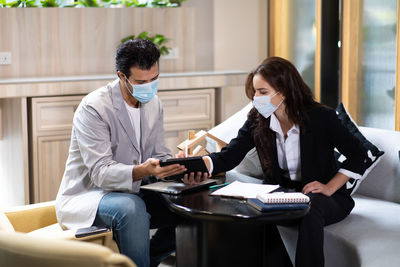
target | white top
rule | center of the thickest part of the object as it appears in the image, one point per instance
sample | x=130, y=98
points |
x=288, y=150
x=134, y=116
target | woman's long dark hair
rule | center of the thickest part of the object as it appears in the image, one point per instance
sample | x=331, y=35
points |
x=281, y=75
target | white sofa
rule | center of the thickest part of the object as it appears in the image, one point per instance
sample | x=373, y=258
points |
x=370, y=235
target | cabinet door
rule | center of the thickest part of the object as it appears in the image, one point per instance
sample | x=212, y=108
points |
x=52, y=155
x=50, y=133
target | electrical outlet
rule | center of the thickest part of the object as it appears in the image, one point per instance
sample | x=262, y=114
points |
x=5, y=58
x=173, y=54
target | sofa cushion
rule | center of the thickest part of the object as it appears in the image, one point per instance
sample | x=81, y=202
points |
x=374, y=153
x=251, y=165
x=369, y=236
x=383, y=182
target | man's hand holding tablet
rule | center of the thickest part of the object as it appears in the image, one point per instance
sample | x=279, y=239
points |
x=197, y=168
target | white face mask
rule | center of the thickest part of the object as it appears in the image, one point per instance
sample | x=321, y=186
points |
x=144, y=92
x=264, y=106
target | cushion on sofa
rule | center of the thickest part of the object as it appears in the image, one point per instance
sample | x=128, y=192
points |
x=383, y=182
x=374, y=153
x=251, y=165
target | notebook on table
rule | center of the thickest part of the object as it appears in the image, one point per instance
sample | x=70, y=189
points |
x=279, y=201
x=176, y=188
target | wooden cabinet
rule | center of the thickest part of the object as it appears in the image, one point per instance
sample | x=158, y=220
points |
x=51, y=124
x=50, y=133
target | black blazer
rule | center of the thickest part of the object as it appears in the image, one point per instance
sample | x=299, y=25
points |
x=322, y=132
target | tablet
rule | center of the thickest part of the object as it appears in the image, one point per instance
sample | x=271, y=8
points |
x=192, y=164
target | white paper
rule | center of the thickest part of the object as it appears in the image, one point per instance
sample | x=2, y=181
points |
x=244, y=190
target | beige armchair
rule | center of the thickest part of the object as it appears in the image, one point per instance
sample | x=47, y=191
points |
x=17, y=249
x=40, y=220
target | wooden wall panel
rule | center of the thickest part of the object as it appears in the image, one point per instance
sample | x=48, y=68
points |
x=82, y=41
x=351, y=68
x=279, y=28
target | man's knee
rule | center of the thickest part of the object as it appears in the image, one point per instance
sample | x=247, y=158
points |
x=128, y=209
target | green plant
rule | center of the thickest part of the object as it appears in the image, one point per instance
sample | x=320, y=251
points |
x=87, y=3
x=52, y=3
x=108, y=3
x=157, y=39
x=22, y=3
x=133, y=3
x=166, y=3
x=93, y=3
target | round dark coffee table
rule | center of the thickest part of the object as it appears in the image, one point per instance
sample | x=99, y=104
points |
x=216, y=231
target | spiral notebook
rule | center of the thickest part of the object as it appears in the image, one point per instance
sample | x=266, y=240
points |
x=259, y=205
x=281, y=197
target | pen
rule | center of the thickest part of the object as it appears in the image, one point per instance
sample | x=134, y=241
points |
x=218, y=185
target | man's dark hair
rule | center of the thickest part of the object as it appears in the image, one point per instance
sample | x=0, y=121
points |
x=139, y=53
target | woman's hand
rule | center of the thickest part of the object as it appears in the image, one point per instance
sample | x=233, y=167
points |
x=199, y=177
x=192, y=179
x=326, y=189
x=317, y=187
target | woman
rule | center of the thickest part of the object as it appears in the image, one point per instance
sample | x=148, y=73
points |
x=295, y=138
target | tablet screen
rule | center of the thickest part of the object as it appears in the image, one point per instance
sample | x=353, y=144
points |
x=192, y=164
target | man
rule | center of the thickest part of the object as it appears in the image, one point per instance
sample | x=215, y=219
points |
x=117, y=139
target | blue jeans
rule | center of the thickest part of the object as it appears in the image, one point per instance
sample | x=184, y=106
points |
x=130, y=216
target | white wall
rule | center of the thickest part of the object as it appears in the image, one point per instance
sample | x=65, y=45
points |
x=240, y=30
x=240, y=43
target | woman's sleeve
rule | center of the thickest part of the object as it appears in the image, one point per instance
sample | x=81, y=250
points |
x=231, y=155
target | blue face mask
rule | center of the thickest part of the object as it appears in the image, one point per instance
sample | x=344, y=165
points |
x=144, y=92
x=264, y=106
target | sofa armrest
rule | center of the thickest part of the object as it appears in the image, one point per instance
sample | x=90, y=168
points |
x=105, y=239
x=55, y=231
x=28, y=218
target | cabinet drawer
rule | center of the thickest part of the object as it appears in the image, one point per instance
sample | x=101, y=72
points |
x=54, y=113
x=188, y=105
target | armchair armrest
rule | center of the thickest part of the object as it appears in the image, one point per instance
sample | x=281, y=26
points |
x=28, y=218
x=40, y=220
x=54, y=231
